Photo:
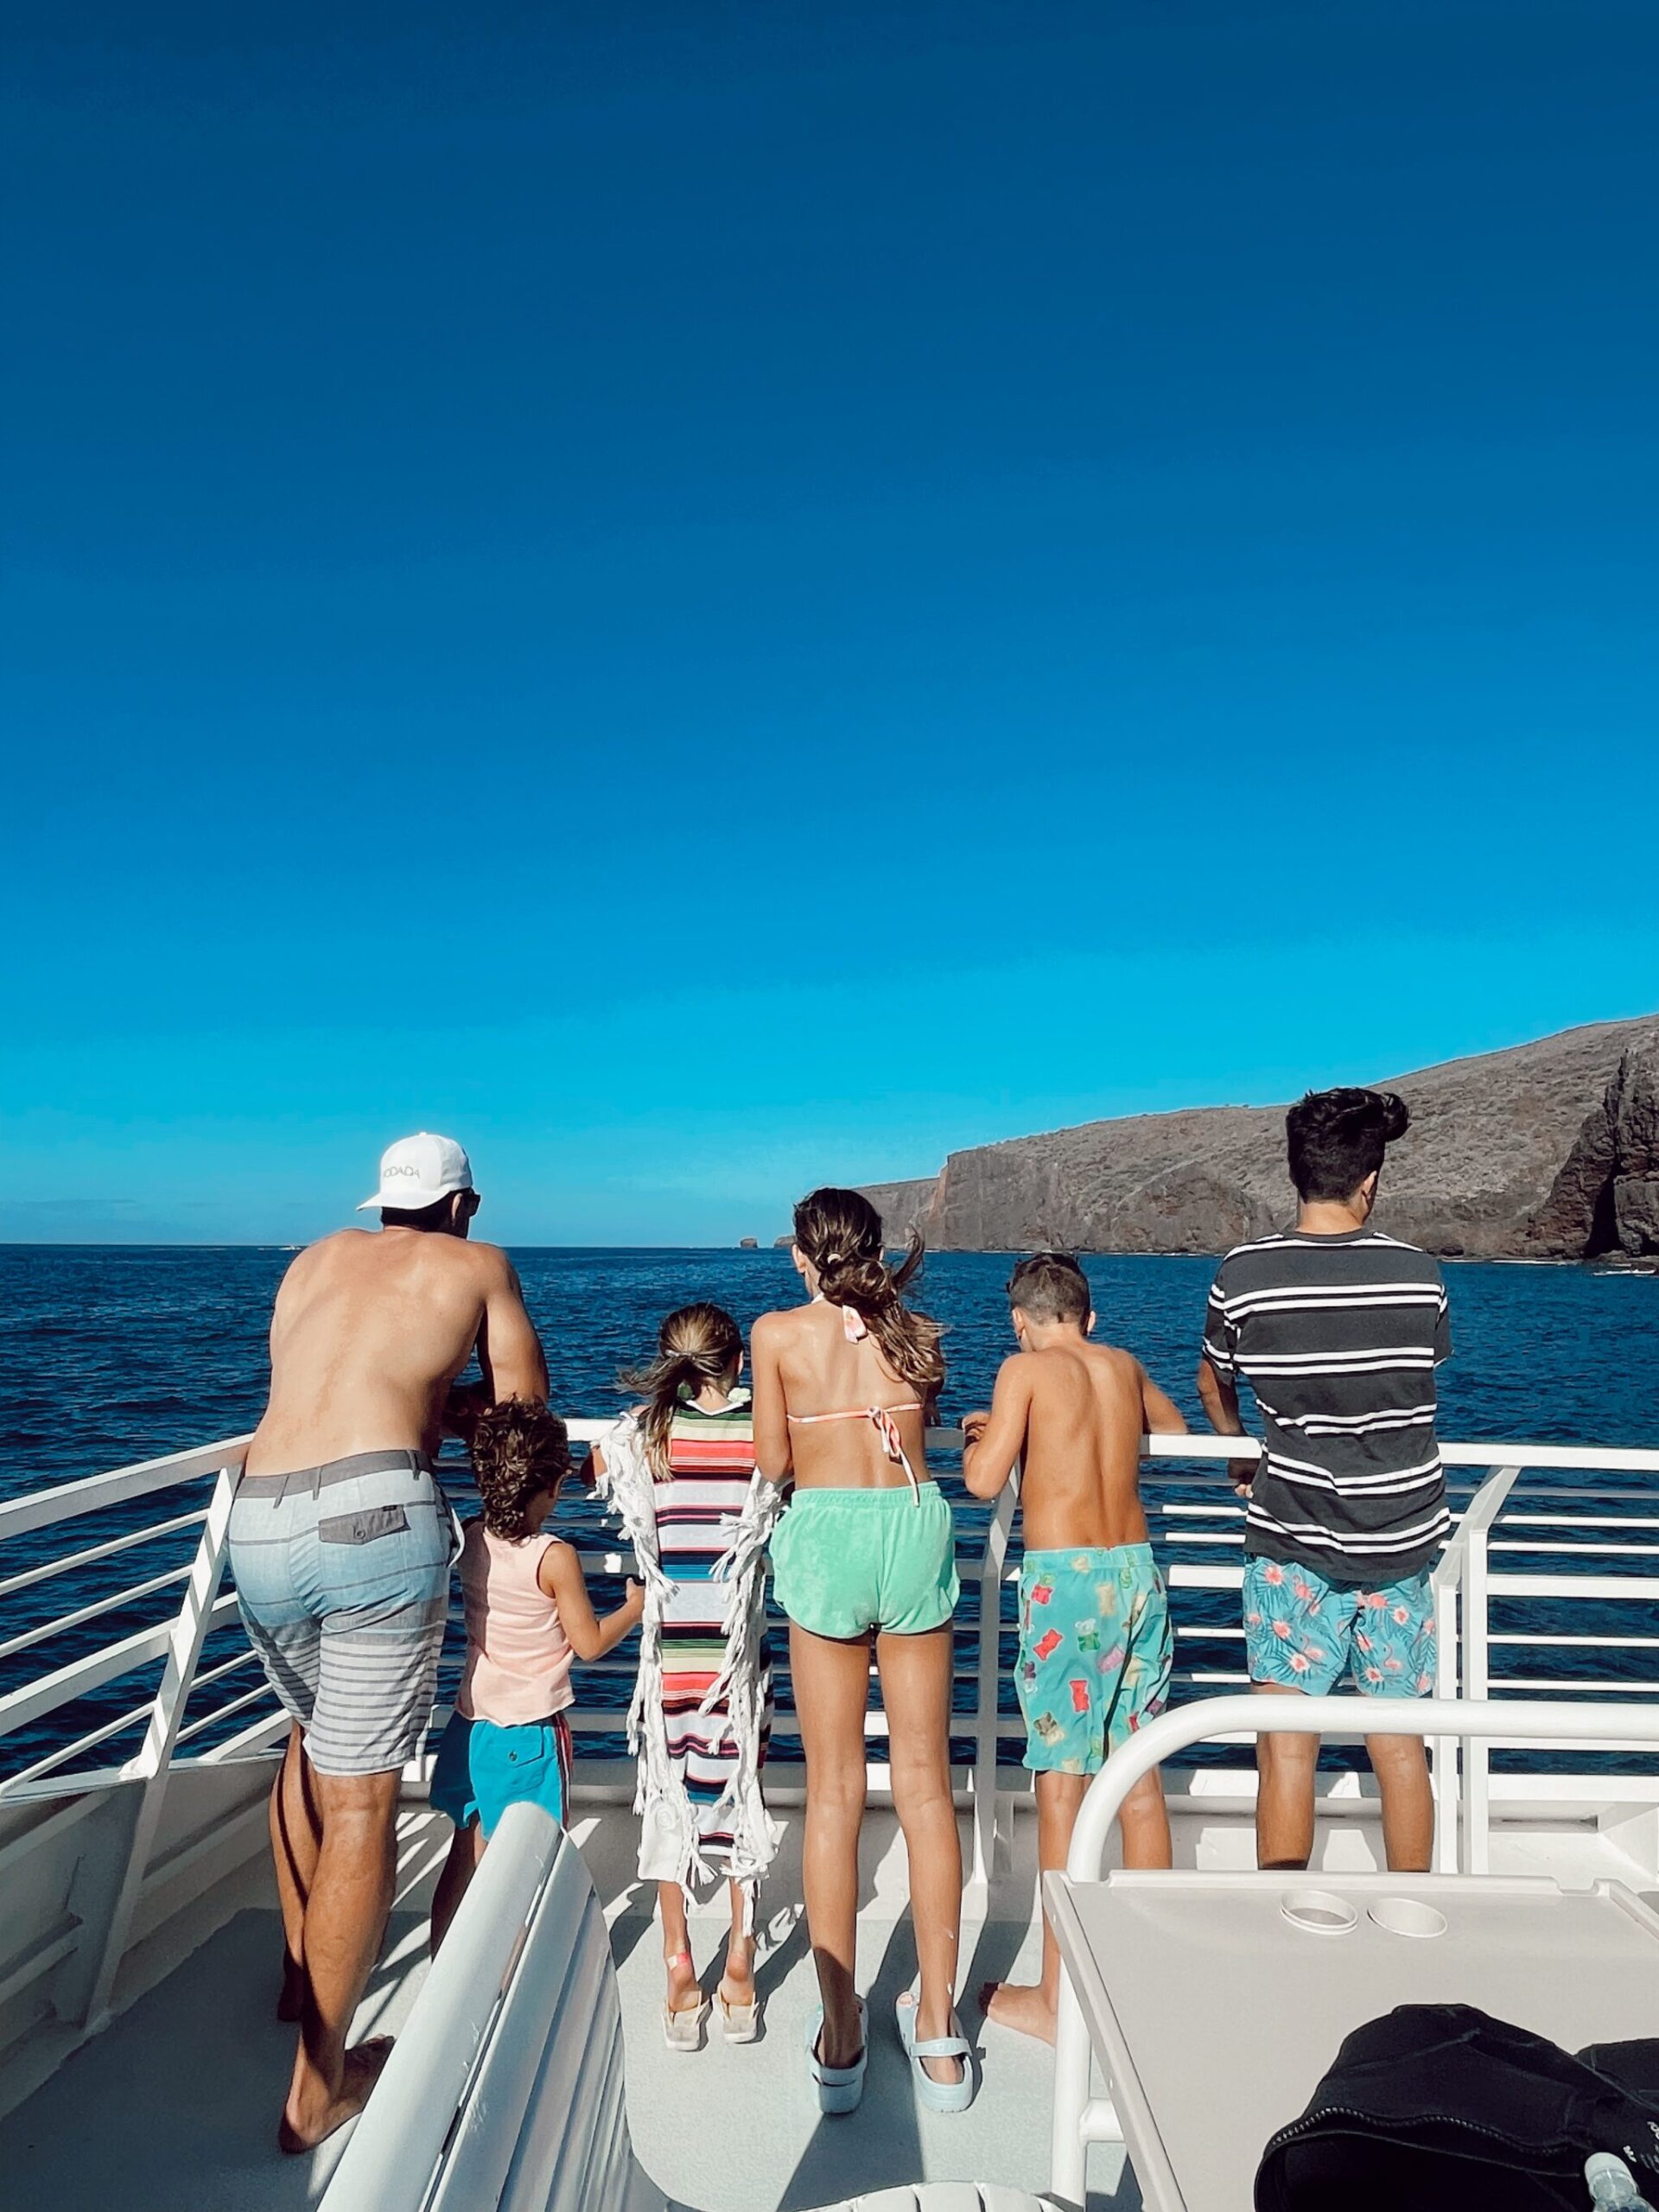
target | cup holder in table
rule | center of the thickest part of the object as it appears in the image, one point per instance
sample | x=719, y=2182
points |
x=1407, y=1916
x=1319, y=1912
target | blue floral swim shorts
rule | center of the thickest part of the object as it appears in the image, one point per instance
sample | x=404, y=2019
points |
x=1303, y=1632
x=1095, y=1652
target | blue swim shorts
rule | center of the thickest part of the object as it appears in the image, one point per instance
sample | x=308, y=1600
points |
x=1095, y=1652
x=1303, y=1632
x=481, y=1769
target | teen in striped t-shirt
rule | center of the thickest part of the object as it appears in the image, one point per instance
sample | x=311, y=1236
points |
x=1338, y=1330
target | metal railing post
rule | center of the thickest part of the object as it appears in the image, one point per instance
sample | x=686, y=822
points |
x=1446, y=1583
x=149, y=1765
x=1484, y=1507
x=986, y=1795
x=1078, y=2121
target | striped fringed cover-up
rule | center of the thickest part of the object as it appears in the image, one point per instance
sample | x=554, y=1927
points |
x=713, y=1458
x=700, y=1718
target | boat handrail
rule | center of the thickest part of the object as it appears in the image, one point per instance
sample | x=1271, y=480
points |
x=1212, y=1525
x=235, y=1715
x=1080, y=2120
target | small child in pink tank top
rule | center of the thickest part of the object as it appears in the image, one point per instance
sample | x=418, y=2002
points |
x=528, y=1615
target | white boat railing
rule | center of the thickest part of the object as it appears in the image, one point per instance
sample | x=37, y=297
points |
x=1572, y=1544
x=1080, y=2120
x=1464, y=1588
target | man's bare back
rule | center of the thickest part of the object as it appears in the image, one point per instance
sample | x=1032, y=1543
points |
x=370, y=1329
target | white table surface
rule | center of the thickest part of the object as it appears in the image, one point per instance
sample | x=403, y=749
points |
x=1214, y=2018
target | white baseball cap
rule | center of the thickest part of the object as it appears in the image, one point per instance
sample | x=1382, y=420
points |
x=418, y=1171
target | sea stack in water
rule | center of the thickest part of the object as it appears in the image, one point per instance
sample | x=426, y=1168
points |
x=1607, y=1195
x=1546, y=1151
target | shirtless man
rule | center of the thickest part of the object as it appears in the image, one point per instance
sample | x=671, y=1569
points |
x=1094, y=1618
x=340, y=1547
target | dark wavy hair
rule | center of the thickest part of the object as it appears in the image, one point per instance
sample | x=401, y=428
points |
x=840, y=1231
x=519, y=1450
x=697, y=1345
x=1337, y=1138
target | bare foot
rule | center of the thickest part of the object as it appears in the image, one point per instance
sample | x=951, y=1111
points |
x=683, y=1993
x=363, y=2065
x=947, y=2072
x=290, y=2005
x=1020, y=2006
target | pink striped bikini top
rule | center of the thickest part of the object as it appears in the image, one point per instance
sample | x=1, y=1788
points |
x=879, y=1417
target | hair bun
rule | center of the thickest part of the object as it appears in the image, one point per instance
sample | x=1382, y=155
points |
x=1397, y=1117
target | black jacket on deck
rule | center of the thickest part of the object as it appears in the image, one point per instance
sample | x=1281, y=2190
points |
x=1442, y=2108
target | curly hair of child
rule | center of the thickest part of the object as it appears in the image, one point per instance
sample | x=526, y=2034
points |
x=519, y=1450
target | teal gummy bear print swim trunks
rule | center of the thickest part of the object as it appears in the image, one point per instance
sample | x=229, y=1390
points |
x=1095, y=1652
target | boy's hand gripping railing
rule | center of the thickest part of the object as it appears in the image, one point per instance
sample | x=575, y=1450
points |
x=1078, y=2119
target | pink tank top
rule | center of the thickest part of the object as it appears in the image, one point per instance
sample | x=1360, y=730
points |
x=518, y=1655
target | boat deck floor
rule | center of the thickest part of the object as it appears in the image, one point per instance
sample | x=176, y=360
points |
x=173, y=2108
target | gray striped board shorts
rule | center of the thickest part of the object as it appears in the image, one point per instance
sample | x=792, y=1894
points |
x=342, y=1576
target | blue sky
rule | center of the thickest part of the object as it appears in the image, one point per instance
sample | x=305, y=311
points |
x=715, y=597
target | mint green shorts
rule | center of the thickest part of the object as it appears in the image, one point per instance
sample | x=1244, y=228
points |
x=846, y=1561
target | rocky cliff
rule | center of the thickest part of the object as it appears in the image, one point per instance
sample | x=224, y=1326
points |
x=1546, y=1151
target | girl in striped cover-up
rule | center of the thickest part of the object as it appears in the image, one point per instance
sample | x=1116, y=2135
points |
x=679, y=1471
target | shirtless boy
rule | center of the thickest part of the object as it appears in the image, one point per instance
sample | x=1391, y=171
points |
x=341, y=1546
x=1094, y=1618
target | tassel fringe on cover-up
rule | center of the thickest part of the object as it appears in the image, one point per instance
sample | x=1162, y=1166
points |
x=675, y=1833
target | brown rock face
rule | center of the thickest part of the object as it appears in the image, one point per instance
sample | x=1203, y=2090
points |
x=1605, y=1198
x=1508, y=1155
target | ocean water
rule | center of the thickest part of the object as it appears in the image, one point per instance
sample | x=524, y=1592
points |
x=111, y=1355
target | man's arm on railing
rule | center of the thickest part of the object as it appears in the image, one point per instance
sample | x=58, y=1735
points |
x=1218, y=1395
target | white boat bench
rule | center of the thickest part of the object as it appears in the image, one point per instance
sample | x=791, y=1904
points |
x=506, y=2091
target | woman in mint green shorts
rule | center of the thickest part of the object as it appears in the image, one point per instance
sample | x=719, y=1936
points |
x=865, y=1551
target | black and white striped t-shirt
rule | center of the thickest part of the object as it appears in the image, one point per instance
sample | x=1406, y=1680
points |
x=1339, y=1336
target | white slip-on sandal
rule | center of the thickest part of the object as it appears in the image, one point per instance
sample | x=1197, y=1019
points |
x=738, y=2023
x=937, y=2096
x=683, y=2027
x=839, y=2088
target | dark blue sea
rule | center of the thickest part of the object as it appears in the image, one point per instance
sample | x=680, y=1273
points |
x=110, y=1355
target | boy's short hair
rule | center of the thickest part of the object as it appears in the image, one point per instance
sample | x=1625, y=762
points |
x=1337, y=1138
x=1051, y=1287
x=519, y=1450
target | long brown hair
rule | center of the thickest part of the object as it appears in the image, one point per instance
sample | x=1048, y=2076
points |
x=840, y=1231
x=698, y=1345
